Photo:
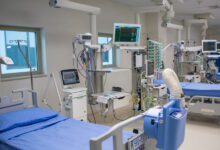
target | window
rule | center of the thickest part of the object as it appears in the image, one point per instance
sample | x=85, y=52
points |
x=30, y=43
x=108, y=56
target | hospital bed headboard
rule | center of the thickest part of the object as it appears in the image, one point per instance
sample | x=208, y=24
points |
x=7, y=103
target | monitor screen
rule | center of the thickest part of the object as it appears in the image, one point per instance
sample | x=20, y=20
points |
x=126, y=33
x=209, y=46
x=70, y=76
x=218, y=46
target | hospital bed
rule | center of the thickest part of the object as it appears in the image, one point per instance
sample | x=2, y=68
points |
x=36, y=128
x=203, y=98
x=24, y=127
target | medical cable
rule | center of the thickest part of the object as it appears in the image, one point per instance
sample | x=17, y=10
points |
x=77, y=60
x=114, y=114
x=92, y=112
x=78, y=63
x=92, y=86
x=90, y=79
x=75, y=57
x=88, y=119
x=82, y=67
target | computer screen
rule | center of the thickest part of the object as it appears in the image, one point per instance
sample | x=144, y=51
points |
x=70, y=76
x=126, y=33
x=218, y=46
x=209, y=46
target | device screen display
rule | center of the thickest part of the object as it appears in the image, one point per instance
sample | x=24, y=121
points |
x=70, y=77
x=209, y=46
x=84, y=37
x=126, y=34
x=218, y=46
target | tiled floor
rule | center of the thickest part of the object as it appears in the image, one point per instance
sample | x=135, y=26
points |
x=200, y=135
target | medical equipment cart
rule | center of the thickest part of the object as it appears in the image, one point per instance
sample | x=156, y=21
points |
x=75, y=103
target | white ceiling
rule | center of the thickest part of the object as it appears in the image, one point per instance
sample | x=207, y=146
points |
x=185, y=9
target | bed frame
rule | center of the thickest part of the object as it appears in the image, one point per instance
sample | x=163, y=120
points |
x=203, y=105
x=116, y=133
x=7, y=104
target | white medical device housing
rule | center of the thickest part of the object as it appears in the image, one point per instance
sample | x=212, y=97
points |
x=85, y=37
x=138, y=60
x=126, y=34
x=75, y=98
x=159, y=90
x=75, y=103
x=209, y=46
x=86, y=40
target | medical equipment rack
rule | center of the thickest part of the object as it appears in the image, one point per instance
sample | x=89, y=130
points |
x=154, y=53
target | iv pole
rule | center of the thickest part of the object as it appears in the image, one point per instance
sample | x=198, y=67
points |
x=28, y=63
x=32, y=86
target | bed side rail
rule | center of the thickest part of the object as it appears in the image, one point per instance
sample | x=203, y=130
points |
x=7, y=103
x=202, y=98
x=25, y=92
x=208, y=106
x=116, y=133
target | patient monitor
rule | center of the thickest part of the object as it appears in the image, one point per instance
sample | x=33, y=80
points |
x=209, y=46
x=126, y=34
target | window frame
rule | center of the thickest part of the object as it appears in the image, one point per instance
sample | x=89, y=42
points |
x=40, y=52
x=113, y=51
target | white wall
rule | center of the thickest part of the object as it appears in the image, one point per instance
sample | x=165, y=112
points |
x=60, y=27
x=213, y=33
x=172, y=37
x=149, y=23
